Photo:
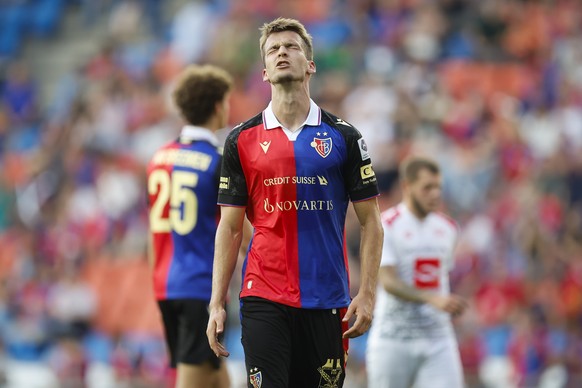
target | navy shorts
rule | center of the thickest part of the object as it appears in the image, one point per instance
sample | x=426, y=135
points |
x=185, y=322
x=292, y=347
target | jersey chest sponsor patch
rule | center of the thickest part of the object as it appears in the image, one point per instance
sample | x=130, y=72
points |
x=427, y=272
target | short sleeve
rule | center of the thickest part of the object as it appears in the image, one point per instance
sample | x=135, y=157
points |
x=388, y=249
x=232, y=188
x=361, y=181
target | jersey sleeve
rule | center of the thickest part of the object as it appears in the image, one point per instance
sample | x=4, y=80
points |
x=360, y=177
x=232, y=189
x=218, y=167
x=388, y=249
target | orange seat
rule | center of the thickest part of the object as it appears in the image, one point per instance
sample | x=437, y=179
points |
x=125, y=297
x=460, y=78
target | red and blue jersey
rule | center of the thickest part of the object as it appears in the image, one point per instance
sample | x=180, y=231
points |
x=183, y=188
x=296, y=187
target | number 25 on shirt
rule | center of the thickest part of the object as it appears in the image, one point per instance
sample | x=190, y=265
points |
x=175, y=205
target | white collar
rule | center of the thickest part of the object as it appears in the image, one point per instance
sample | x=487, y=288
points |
x=192, y=132
x=313, y=118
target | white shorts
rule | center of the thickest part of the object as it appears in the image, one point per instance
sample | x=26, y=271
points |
x=417, y=363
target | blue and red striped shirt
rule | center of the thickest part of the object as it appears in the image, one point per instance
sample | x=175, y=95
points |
x=296, y=187
x=183, y=188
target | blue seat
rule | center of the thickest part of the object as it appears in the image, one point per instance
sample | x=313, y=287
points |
x=12, y=26
x=45, y=16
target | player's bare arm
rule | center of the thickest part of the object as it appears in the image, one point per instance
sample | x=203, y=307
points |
x=372, y=236
x=389, y=279
x=246, y=238
x=227, y=244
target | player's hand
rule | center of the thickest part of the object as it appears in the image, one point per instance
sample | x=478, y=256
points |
x=362, y=307
x=452, y=304
x=214, y=329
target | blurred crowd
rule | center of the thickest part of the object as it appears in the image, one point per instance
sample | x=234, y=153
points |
x=492, y=89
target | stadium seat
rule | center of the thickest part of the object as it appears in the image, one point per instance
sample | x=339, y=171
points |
x=45, y=16
x=12, y=26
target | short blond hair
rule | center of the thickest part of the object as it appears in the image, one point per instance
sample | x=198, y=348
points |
x=285, y=24
x=198, y=90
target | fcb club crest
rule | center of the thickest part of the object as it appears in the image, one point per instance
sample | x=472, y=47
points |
x=322, y=146
x=256, y=378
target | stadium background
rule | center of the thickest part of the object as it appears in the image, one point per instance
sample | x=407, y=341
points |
x=491, y=89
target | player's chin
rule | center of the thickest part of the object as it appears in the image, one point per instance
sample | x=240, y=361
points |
x=432, y=207
x=285, y=77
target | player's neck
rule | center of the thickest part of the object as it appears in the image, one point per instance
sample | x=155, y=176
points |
x=213, y=124
x=416, y=212
x=290, y=105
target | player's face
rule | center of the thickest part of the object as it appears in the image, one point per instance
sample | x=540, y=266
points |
x=285, y=59
x=425, y=192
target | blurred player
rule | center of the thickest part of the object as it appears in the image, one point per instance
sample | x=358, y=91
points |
x=183, y=187
x=411, y=342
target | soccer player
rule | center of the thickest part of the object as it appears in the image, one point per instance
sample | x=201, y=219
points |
x=293, y=169
x=411, y=342
x=182, y=180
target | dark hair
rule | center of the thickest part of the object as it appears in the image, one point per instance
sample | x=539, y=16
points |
x=284, y=24
x=411, y=166
x=198, y=90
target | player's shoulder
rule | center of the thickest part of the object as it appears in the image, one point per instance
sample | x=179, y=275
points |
x=391, y=215
x=253, y=122
x=446, y=220
x=174, y=143
x=343, y=126
x=162, y=150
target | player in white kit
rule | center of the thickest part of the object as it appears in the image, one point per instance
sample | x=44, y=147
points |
x=411, y=341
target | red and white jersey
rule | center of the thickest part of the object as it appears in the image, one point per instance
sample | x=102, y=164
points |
x=422, y=252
